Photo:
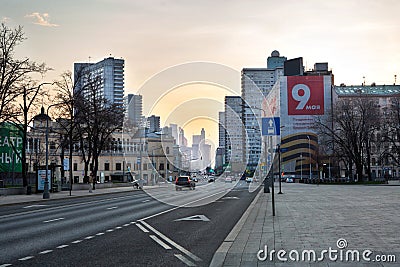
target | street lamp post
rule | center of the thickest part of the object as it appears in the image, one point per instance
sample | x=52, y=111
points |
x=301, y=166
x=309, y=153
x=46, y=193
x=279, y=167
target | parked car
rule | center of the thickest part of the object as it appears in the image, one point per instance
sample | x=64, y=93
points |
x=184, y=181
x=211, y=179
x=228, y=180
x=194, y=179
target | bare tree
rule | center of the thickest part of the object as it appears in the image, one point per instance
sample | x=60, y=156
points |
x=390, y=135
x=14, y=73
x=349, y=132
x=18, y=90
x=28, y=103
x=96, y=119
x=66, y=96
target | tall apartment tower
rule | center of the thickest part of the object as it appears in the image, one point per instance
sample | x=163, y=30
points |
x=154, y=123
x=108, y=75
x=133, y=109
x=256, y=84
x=233, y=133
x=221, y=129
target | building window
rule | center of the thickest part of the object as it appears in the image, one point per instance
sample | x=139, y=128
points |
x=118, y=166
x=161, y=167
x=75, y=166
x=106, y=166
x=167, y=150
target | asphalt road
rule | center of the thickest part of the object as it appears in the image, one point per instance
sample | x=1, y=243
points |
x=152, y=228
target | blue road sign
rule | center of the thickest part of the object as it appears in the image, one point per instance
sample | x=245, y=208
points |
x=271, y=126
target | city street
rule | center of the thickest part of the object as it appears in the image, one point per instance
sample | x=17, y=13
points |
x=123, y=229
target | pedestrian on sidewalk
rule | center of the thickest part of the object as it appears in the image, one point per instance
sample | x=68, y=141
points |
x=94, y=181
x=90, y=182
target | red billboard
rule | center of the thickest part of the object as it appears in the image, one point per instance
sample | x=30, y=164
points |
x=305, y=95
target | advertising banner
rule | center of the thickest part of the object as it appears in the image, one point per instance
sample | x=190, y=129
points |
x=41, y=179
x=10, y=148
x=302, y=99
x=305, y=95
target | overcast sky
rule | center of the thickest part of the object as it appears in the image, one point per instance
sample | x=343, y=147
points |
x=358, y=38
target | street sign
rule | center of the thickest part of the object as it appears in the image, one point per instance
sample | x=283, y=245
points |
x=271, y=126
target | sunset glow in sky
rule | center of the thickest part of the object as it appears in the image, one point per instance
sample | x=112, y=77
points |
x=358, y=38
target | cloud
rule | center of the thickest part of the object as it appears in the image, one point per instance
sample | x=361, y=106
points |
x=41, y=19
x=5, y=19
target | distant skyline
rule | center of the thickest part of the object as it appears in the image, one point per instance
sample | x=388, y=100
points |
x=358, y=38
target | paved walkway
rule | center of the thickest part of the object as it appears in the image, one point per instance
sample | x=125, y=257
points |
x=10, y=199
x=315, y=217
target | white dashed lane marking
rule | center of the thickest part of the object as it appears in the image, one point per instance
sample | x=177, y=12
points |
x=53, y=220
x=160, y=242
x=26, y=258
x=142, y=228
x=46, y=251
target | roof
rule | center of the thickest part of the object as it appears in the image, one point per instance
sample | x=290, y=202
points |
x=376, y=90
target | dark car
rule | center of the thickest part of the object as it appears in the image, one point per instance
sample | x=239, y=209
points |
x=184, y=181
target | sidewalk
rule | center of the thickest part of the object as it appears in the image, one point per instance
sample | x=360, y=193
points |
x=12, y=199
x=315, y=217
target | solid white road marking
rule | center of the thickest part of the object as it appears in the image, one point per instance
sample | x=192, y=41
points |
x=142, y=228
x=89, y=237
x=125, y=225
x=230, y=198
x=177, y=246
x=46, y=251
x=112, y=208
x=194, y=218
x=160, y=242
x=34, y=206
x=63, y=246
x=184, y=260
x=26, y=258
x=99, y=234
x=53, y=220
x=118, y=227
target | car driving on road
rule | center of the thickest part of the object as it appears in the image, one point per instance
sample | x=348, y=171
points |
x=184, y=181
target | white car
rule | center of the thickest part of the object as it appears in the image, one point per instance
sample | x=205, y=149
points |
x=228, y=180
x=289, y=180
x=249, y=179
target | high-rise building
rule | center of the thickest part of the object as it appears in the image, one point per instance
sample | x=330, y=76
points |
x=233, y=133
x=133, y=109
x=256, y=84
x=175, y=135
x=201, y=152
x=221, y=129
x=154, y=123
x=107, y=75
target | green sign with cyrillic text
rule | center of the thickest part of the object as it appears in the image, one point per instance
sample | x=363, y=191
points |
x=10, y=148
